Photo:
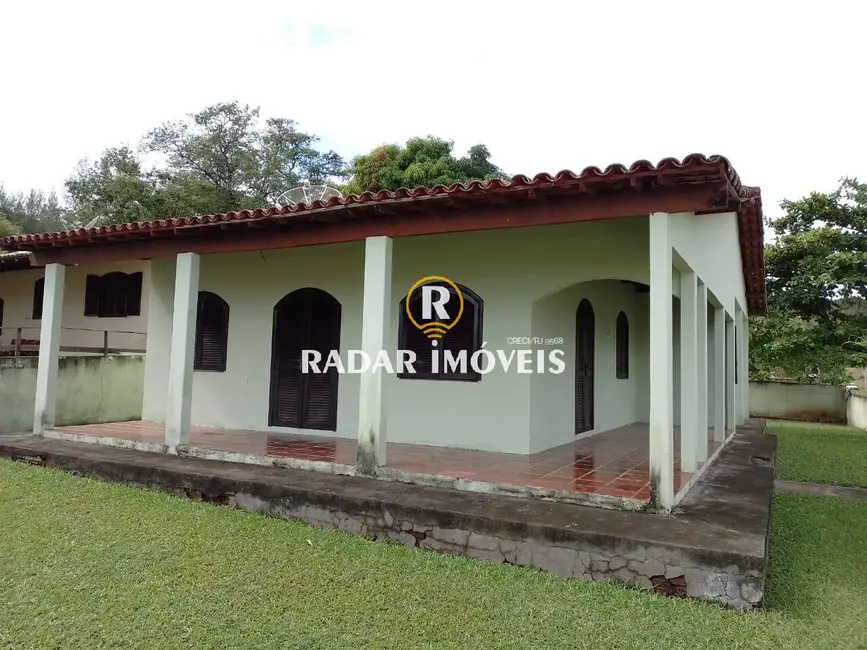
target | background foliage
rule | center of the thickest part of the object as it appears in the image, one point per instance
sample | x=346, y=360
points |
x=223, y=158
x=816, y=278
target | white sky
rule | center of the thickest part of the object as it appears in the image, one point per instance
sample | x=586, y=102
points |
x=546, y=85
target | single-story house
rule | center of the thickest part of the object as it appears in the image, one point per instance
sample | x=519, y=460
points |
x=641, y=276
x=104, y=305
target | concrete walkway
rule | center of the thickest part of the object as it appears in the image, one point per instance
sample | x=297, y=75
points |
x=820, y=488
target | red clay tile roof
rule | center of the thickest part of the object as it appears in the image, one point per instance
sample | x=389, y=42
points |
x=692, y=170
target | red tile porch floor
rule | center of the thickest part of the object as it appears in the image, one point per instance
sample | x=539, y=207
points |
x=614, y=463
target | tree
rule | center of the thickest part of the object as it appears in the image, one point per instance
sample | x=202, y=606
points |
x=7, y=228
x=286, y=157
x=817, y=284
x=112, y=188
x=421, y=162
x=223, y=151
x=35, y=211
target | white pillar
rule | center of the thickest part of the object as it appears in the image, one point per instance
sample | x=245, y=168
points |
x=661, y=364
x=701, y=326
x=719, y=367
x=688, y=371
x=180, y=398
x=739, y=365
x=375, y=328
x=49, y=349
x=744, y=367
x=730, y=375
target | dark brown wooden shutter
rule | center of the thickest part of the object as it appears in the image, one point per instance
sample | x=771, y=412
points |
x=113, y=295
x=465, y=335
x=92, y=295
x=133, y=294
x=307, y=319
x=622, y=346
x=585, y=342
x=38, y=296
x=1, y=316
x=212, y=333
x=320, y=390
x=411, y=338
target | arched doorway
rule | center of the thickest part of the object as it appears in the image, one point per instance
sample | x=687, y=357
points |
x=585, y=342
x=306, y=319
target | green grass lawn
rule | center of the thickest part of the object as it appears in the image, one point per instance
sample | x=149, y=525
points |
x=85, y=564
x=820, y=453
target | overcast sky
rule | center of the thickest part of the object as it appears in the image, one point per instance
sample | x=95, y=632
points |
x=546, y=85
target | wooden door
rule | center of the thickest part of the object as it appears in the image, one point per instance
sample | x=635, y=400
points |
x=307, y=319
x=585, y=342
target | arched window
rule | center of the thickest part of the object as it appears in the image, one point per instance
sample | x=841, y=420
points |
x=113, y=295
x=465, y=336
x=38, y=293
x=622, y=346
x=212, y=333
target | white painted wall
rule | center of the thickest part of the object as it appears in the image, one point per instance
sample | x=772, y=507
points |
x=16, y=291
x=710, y=245
x=616, y=401
x=252, y=284
x=856, y=410
x=531, y=280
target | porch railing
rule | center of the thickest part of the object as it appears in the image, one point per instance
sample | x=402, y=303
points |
x=21, y=346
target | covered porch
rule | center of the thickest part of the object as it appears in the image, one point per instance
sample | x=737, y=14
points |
x=614, y=464
x=661, y=260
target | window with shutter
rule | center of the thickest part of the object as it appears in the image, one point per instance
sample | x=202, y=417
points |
x=113, y=295
x=212, y=333
x=585, y=352
x=133, y=294
x=465, y=336
x=307, y=319
x=622, y=346
x=38, y=294
x=92, y=295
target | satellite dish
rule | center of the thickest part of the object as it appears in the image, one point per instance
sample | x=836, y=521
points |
x=306, y=193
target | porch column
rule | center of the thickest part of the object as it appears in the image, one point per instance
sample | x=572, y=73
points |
x=701, y=326
x=739, y=364
x=719, y=367
x=688, y=371
x=375, y=329
x=49, y=349
x=661, y=365
x=180, y=398
x=744, y=368
x=730, y=374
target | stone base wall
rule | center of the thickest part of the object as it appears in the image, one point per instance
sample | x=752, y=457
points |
x=664, y=570
x=569, y=541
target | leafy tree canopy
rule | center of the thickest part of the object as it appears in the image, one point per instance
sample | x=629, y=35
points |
x=33, y=212
x=220, y=159
x=817, y=285
x=7, y=228
x=421, y=162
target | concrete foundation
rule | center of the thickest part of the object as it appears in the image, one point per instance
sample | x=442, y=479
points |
x=713, y=547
